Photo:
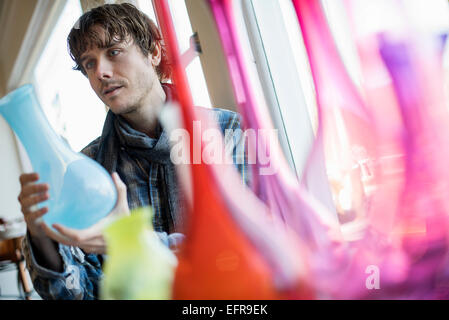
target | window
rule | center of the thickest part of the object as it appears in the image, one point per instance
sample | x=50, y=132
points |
x=289, y=90
x=194, y=70
x=184, y=31
x=371, y=18
x=147, y=7
x=282, y=66
x=71, y=106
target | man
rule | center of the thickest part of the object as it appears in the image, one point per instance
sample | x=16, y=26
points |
x=119, y=49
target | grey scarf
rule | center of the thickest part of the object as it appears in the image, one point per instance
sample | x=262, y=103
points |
x=132, y=154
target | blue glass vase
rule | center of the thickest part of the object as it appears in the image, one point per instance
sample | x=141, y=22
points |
x=81, y=191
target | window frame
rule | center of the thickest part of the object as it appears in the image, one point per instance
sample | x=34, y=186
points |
x=296, y=141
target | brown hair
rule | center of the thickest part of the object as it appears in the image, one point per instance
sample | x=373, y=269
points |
x=119, y=21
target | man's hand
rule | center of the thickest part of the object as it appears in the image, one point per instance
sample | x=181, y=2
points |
x=91, y=240
x=30, y=195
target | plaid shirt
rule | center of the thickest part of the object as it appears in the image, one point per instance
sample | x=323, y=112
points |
x=82, y=272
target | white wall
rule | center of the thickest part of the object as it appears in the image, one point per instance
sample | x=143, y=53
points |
x=10, y=169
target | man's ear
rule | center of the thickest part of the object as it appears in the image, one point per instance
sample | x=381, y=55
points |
x=156, y=55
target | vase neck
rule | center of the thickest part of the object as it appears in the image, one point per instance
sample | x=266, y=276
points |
x=129, y=231
x=22, y=111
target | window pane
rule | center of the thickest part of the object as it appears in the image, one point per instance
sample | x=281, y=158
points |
x=146, y=7
x=194, y=70
x=183, y=28
x=291, y=84
x=68, y=101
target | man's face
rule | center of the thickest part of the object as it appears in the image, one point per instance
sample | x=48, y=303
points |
x=121, y=76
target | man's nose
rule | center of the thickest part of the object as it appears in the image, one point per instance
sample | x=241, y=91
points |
x=104, y=69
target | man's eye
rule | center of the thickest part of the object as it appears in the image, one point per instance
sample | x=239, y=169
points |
x=89, y=65
x=113, y=53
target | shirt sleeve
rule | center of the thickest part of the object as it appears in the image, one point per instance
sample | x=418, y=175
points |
x=79, y=279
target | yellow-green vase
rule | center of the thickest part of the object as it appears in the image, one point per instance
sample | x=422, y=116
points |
x=138, y=265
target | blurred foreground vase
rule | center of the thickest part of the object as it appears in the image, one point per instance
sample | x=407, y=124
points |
x=138, y=265
x=81, y=191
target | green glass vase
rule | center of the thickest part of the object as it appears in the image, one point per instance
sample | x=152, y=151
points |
x=138, y=265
